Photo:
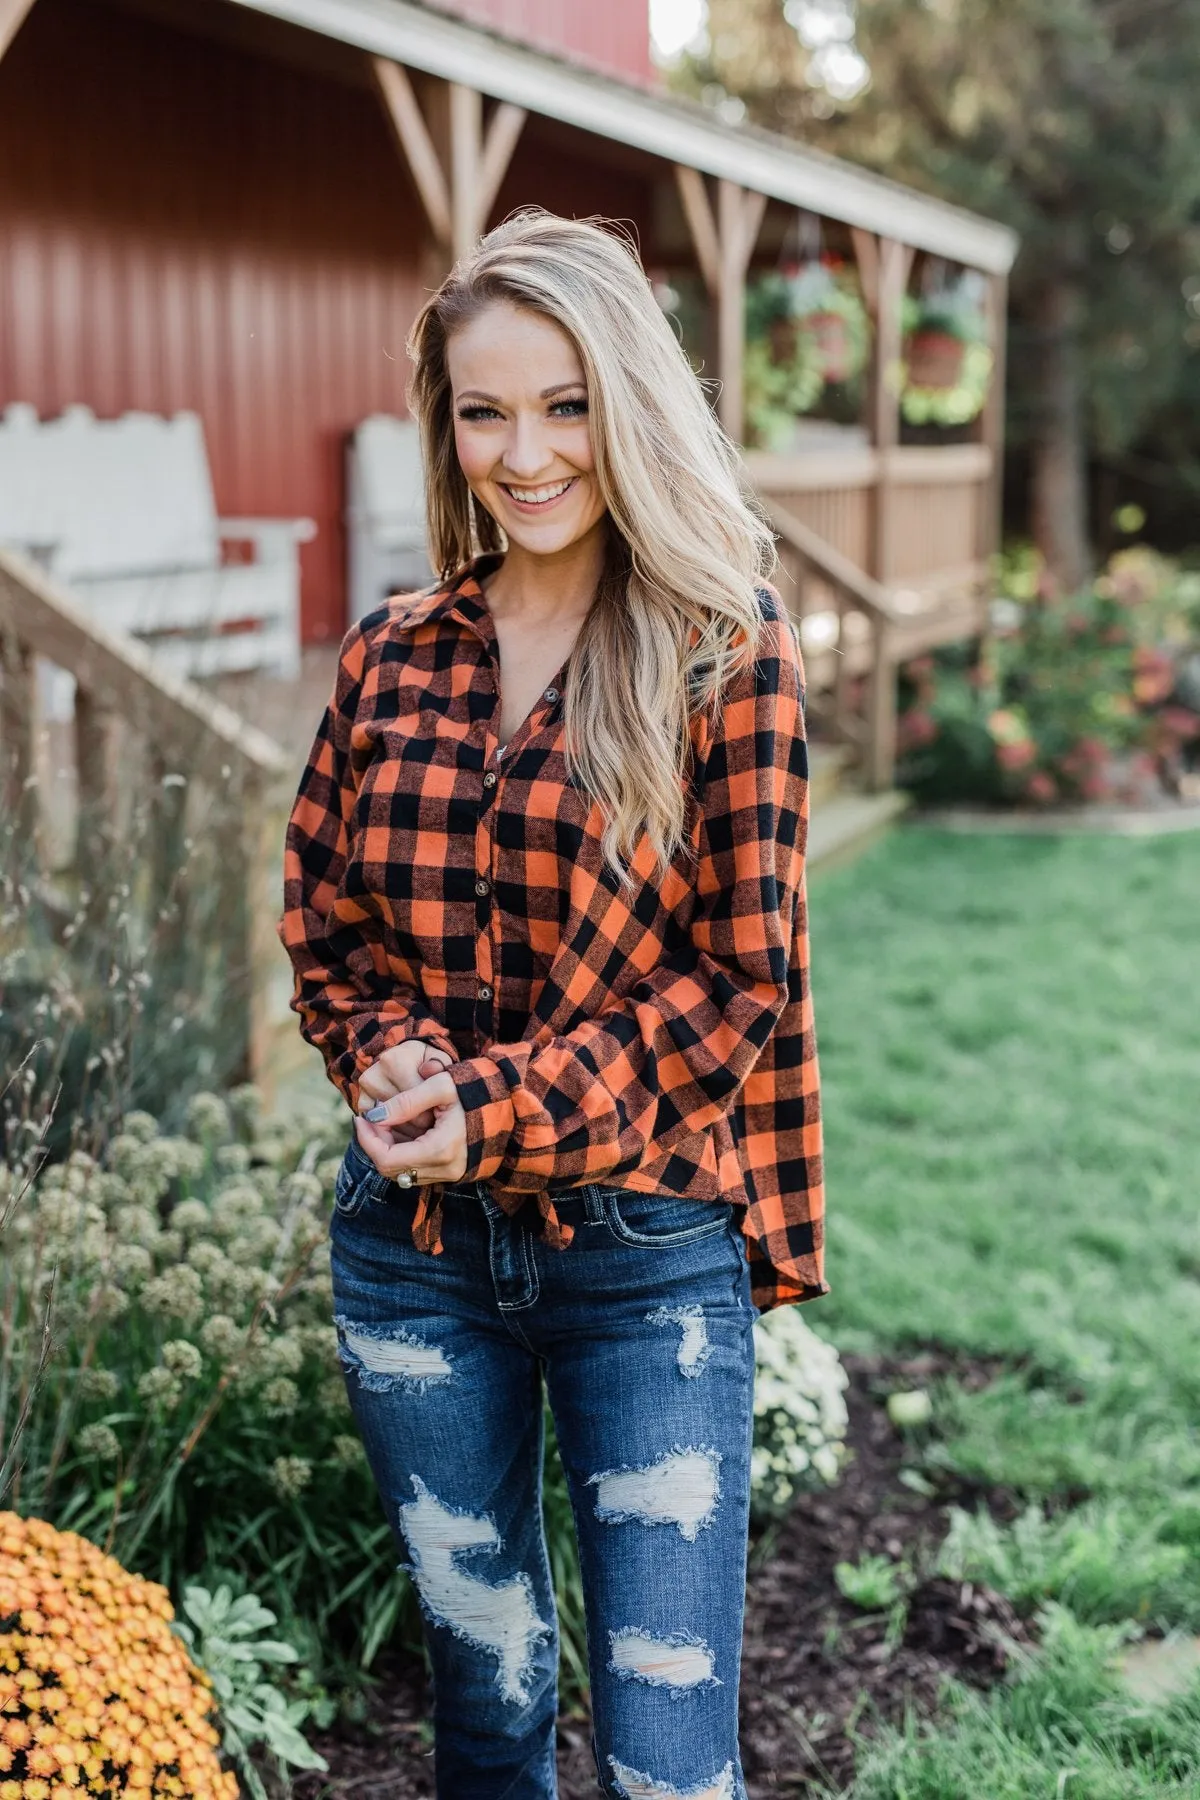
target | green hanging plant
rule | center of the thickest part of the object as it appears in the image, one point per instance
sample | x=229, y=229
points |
x=827, y=307
x=806, y=327
x=947, y=362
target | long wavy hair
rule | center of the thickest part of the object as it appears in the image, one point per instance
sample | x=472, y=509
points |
x=676, y=611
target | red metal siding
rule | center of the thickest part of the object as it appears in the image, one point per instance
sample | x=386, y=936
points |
x=186, y=225
x=614, y=37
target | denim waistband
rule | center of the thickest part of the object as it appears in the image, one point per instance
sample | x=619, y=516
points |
x=582, y=1201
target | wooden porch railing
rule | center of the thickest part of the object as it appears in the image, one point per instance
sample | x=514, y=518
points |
x=147, y=777
x=852, y=670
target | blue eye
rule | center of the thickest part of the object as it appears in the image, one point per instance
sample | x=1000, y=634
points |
x=570, y=409
x=478, y=411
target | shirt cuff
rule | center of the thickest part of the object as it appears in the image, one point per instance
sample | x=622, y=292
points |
x=386, y=1038
x=487, y=1101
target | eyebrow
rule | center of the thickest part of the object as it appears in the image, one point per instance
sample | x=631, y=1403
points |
x=561, y=387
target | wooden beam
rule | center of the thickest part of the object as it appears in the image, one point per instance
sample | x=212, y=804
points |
x=456, y=166
x=697, y=210
x=895, y=261
x=739, y=215
x=12, y=17
x=992, y=420
x=499, y=141
x=416, y=145
x=866, y=255
x=466, y=140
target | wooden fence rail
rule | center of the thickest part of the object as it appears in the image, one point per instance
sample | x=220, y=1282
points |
x=875, y=629
x=138, y=744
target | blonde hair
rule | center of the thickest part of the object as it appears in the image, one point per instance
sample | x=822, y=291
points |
x=677, y=610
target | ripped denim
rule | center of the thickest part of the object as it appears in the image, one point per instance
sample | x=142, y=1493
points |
x=640, y=1335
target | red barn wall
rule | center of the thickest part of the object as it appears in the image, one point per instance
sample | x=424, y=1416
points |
x=188, y=225
x=614, y=37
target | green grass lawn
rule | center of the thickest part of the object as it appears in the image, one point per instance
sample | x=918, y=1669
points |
x=1010, y=1040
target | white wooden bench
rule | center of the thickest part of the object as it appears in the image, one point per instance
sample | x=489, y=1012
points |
x=121, y=512
x=385, y=518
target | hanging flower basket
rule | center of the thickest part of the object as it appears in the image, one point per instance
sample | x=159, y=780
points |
x=806, y=327
x=948, y=364
x=833, y=344
x=935, y=360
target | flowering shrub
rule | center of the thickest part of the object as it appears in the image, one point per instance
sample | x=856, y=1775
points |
x=800, y=1418
x=97, y=1694
x=1087, y=697
x=192, y=1415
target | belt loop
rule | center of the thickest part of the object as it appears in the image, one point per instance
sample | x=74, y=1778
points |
x=485, y=1200
x=593, y=1205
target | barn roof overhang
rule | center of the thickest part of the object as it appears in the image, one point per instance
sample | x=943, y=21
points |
x=679, y=131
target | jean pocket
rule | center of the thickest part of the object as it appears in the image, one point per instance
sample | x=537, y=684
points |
x=659, y=1221
x=358, y=1180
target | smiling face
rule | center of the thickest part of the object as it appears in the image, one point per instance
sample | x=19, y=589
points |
x=521, y=427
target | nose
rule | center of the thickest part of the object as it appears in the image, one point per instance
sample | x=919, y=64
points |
x=528, y=452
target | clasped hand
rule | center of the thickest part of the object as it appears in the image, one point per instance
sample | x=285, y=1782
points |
x=423, y=1129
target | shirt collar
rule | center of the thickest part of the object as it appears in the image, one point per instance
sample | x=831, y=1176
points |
x=461, y=597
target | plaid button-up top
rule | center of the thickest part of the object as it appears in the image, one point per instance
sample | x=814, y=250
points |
x=658, y=1039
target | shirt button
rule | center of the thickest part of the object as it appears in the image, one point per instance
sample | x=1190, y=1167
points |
x=485, y=992
x=489, y=779
x=482, y=887
x=551, y=693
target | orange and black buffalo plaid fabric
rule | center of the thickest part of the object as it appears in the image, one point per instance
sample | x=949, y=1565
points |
x=660, y=1038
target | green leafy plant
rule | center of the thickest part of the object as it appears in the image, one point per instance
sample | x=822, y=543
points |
x=224, y=1636
x=825, y=301
x=874, y=1583
x=948, y=364
x=1103, y=1560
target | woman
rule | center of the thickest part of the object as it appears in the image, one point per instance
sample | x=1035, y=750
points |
x=545, y=905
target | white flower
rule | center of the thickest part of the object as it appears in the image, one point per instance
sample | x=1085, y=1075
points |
x=182, y=1359
x=158, y=1387
x=800, y=1418
x=290, y=1475
x=208, y=1118
x=191, y=1216
x=98, y=1443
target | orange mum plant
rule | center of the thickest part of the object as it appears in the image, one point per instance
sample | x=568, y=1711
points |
x=97, y=1694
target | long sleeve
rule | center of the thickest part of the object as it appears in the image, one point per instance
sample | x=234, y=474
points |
x=352, y=1003
x=670, y=1057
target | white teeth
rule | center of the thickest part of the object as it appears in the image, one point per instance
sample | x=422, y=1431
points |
x=539, y=496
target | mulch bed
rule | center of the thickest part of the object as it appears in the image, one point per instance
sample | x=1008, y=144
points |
x=816, y=1670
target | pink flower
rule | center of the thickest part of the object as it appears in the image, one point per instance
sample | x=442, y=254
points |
x=1155, y=676
x=1180, y=722
x=917, y=728
x=1041, y=788
x=1017, y=755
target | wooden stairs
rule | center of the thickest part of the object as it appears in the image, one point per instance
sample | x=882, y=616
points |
x=844, y=819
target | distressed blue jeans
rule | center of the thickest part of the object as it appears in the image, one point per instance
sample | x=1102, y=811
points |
x=641, y=1333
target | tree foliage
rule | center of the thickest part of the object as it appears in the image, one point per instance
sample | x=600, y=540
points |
x=1072, y=120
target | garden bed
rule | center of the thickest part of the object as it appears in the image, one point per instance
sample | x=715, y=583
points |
x=816, y=1669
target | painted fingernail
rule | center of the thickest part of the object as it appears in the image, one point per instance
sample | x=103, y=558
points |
x=376, y=1114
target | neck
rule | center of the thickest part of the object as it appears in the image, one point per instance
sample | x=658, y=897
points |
x=538, y=589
